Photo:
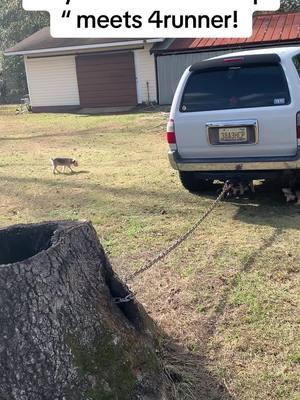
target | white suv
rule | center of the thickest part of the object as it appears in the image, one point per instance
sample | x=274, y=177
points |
x=237, y=116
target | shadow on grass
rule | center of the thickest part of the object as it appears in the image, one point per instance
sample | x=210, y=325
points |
x=119, y=193
x=246, y=268
x=83, y=172
x=73, y=173
x=140, y=109
x=189, y=376
x=84, y=132
x=267, y=207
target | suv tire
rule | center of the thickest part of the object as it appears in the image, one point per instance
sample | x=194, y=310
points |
x=191, y=182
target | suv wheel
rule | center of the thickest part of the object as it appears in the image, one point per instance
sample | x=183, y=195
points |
x=191, y=182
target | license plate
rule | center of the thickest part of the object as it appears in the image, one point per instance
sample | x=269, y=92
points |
x=233, y=135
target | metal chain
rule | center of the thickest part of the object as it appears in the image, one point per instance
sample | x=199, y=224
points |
x=163, y=254
x=127, y=299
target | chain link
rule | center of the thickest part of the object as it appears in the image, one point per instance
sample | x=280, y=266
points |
x=127, y=299
x=163, y=254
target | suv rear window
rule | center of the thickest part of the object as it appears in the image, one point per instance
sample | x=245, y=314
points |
x=296, y=61
x=236, y=87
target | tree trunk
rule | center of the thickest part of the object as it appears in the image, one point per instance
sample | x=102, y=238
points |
x=62, y=337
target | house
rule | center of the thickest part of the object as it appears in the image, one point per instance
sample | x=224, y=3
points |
x=173, y=57
x=68, y=74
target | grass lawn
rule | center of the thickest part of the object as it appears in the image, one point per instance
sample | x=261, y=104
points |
x=229, y=296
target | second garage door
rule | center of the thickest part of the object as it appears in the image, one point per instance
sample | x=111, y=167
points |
x=106, y=80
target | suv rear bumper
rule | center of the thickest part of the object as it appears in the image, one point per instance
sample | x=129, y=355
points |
x=237, y=165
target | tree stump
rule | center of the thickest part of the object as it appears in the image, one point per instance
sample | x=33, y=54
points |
x=62, y=336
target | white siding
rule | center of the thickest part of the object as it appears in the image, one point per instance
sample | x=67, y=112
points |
x=52, y=81
x=145, y=72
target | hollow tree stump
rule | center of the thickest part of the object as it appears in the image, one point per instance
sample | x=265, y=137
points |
x=62, y=337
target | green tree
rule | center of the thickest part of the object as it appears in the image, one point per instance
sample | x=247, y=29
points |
x=15, y=25
x=290, y=5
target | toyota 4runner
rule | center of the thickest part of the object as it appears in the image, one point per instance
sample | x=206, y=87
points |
x=237, y=116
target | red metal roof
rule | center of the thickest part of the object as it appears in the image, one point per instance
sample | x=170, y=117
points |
x=267, y=28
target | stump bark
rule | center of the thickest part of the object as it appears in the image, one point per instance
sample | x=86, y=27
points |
x=62, y=337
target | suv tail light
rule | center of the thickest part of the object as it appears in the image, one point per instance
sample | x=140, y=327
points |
x=234, y=59
x=171, y=138
x=298, y=125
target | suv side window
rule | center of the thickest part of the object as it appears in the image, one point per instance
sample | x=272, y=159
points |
x=296, y=61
